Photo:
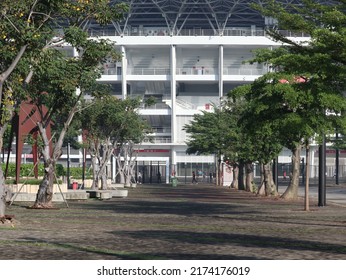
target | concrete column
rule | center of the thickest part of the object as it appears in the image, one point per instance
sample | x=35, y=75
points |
x=124, y=72
x=220, y=71
x=173, y=93
x=167, y=171
x=173, y=106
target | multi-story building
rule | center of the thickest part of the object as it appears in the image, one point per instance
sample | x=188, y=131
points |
x=188, y=55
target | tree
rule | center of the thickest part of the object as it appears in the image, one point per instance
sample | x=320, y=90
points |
x=54, y=79
x=210, y=133
x=252, y=143
x=27, y=27
x=18, y=35
x=112, y=126
x=133, y=135
x=310, y=100
x=53, y=88
x=281, y=114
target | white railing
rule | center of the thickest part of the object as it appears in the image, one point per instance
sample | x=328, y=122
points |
x=189, y=71
x=110, y=71
x=244, y=71
x=194, y=32
x=183, y=32
x=197, y=71
x=156, y=106
x=154, y=140
x=161, y=130
x=149, y=71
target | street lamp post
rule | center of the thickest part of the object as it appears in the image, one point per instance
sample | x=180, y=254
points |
x=322, y=173
x=303, y=171
x=68, y=165
x=337, y=161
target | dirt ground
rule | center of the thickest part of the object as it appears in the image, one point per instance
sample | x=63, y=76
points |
x=184, y=222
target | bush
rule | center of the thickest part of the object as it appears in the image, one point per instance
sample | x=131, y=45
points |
x=31, y=181
x=77, y=173
x=60, y=171
x=27, y=170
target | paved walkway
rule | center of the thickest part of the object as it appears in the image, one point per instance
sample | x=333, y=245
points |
x=335, y=194
x=186, y=222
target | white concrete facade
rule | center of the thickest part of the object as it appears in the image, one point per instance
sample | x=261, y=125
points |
x=186, y=75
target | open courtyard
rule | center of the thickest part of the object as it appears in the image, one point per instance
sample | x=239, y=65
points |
x=184, y=222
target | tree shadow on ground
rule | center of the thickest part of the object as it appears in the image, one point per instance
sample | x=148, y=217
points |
x=248, y=241
x=72, y=251
x=185, y=208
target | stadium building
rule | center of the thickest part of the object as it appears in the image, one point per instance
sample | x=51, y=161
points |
x=187, y=54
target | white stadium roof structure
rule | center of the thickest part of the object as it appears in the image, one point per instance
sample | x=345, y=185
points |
x=176, y=16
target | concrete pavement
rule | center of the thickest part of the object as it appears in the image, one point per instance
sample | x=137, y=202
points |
x=334, y=193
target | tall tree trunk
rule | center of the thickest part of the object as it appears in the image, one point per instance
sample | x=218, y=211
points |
x=218, y=170
x=241, y=176
x=127, y=174
x=235, y=181
x=122, y=177
x=44, y=196
x=127, y=165
x=95, y=183
x=132, y=155
x=106, y=157
x=270, y=187
x=127, y=177
x=249, y=186
x=120, y=169
x=104, y=184
x=292, y=190
x=261, y=188
x=94, y=152
x=102, y=174
x=2, y=195
x=5, y=194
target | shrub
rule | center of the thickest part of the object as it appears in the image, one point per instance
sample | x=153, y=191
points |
x=30, y=181
x=77, y=173
x=27, y=170
x=60, y=171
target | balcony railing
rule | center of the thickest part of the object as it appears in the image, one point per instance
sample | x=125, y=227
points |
x=190, y=71
x=161, y=139
x=149, y=71
x=157, y=106
x=244, y=71
x=161, y=130
x=197, y=71
x=152, y=31
x=110, y=71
